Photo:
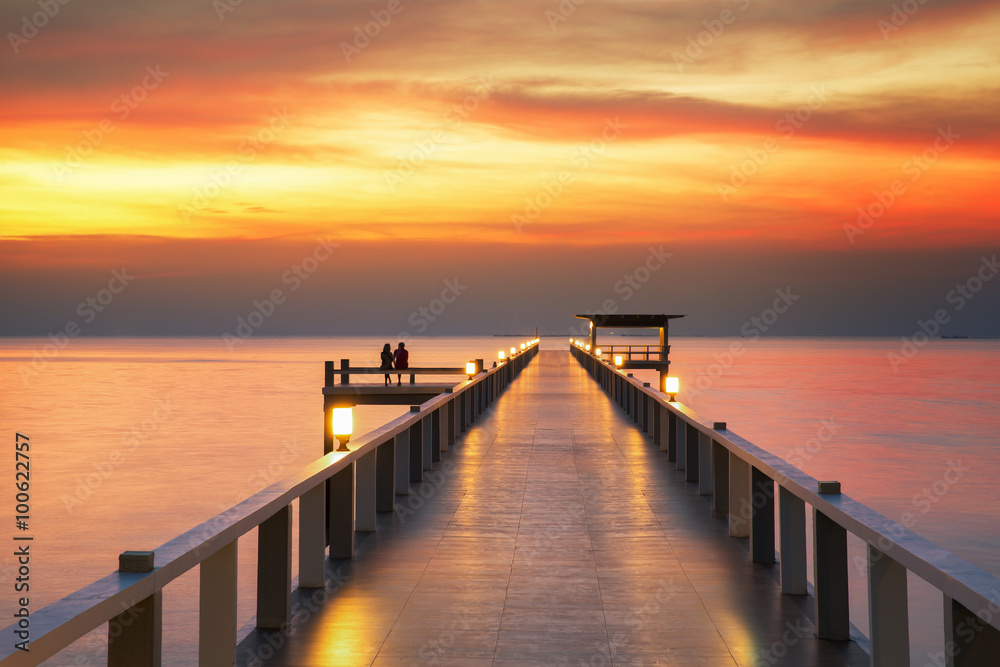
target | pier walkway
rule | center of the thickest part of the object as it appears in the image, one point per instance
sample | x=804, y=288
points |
x=552, y=533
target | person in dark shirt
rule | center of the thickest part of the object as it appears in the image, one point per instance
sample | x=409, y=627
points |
x=386, y=362
x=400, y=360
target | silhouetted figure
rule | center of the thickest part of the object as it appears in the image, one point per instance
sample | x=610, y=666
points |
x=401, y=360
x=386, y=362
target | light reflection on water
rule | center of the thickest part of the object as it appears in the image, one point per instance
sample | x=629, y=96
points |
x=137, y=440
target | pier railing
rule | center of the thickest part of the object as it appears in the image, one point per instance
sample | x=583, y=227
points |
x=636, y=352
x=338, y=494
x=743, y=480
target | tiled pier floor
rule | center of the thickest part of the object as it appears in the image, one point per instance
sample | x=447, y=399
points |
x=553, y=533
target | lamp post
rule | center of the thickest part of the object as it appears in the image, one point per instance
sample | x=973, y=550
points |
x=470, y=369
x=618, y=360
x=671, y=386
x=342, y=422
x=502, y=356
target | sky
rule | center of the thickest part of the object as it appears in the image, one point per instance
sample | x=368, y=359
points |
x=174, y=167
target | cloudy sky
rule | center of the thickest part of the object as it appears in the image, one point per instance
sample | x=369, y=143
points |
x=551, y=157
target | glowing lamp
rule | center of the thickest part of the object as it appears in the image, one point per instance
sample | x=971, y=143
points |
x=618, y=360
x=470, y=369
x=502, y=355
x=342, y=423
x=588, y=347
x=522, y=346
x=513, y=351
x=598, y=352
x=671, y=386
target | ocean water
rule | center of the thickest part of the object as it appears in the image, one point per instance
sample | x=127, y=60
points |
x=134, y=441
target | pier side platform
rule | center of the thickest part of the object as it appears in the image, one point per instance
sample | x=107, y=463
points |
x=553, y=532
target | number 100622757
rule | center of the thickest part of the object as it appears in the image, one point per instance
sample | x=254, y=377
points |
x=22, y=482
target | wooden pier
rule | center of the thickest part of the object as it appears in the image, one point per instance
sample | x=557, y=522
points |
x=552, y=510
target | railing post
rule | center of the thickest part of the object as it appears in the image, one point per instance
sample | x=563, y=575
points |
x=135, y=636
x=312, y=537
x=341, y=513
x=657, y=418
x=830, y=578
x=446, y=425
x=427, y=439
x=365, y=489
x=739, y=497
x=672, y=431
x=385, y=476
x=691, y=455
x=705, y=476
x=345, y=377
x=762, y=517
x=680, y=444
x=645, y=408
x=401, y=445
x=890, y=626
x=792, y=542
x=436, y=443
x=274, y=573
x=720, y=479
x=663, y=428
x=453, y=429
x=217, y=607
x=969, y=642
x=416, y=449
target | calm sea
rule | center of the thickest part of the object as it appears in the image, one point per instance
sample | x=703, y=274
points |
x=134, y=441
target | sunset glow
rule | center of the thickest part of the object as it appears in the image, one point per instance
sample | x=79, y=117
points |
x=793, y=126
x=249, y=121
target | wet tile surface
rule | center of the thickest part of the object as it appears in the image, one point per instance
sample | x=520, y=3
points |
x=560, y=535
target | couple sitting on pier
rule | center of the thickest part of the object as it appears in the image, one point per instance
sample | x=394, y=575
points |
x=398, y=360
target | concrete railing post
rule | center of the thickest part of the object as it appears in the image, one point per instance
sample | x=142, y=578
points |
x=720, y=479
x=427, y=441
x=792, y=542
x=762, y=517
x=890, y=625
x=969, y=642
x=691, y=453
x=830, y=578
x=135, y=636
x=341, y=513
x=672, y=432
x=416, y=449
x=217, y=608
x=274, y=572
x=706, y=478
x=312, y=537
x=739, y=497
x=385, y=476
x=680, y=442
x=657, y=418
x=437, y=446
x=365, y=471
x=401, y=445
